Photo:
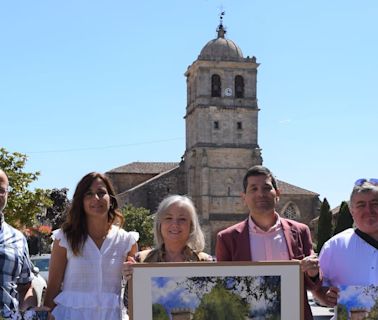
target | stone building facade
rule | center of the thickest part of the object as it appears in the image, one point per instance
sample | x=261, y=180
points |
x=221, y=144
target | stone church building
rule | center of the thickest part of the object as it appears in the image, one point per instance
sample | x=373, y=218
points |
x=221, y=120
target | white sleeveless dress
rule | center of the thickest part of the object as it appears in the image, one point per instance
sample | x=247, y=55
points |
x=92, y=281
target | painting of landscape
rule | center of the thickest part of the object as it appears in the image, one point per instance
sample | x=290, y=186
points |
x=357, y=303
x=205, y=298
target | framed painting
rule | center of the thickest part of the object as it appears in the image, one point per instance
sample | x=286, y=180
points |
x=357, y=302
x=205, y=290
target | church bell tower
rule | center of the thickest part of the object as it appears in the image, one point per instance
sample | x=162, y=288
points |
x=221, y=132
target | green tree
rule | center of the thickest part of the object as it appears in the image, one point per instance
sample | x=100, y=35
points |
x=56, y=213
x=324, y=224
x=140, y=220
x=23, y=204
x=342, y=312
x=373, y=314
x=251, y=288
x=221, y=304
x=344, y=220
x=372, y=292
x=159, y=312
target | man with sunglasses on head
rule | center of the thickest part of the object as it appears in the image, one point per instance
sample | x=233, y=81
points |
x=351, y=257
x=16, y=291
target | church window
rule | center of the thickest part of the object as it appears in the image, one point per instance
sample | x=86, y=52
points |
x=239, y=125
x=291, y=211
x=215, y=85
x=216, y=124
x=239, y=87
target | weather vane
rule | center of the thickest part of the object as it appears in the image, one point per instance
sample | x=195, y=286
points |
x=221, y=30
x=222, y=13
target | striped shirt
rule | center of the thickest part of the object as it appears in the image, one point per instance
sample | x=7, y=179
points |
x=15, y=266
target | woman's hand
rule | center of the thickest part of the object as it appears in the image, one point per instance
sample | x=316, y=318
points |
x=127, y=269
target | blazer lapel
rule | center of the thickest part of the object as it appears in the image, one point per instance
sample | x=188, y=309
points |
x=291, y=237
x=243, y=250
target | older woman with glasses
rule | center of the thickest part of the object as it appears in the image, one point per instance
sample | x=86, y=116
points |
x=88, y=254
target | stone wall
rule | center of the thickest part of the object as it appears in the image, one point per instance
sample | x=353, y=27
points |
x=126, y=181
x=150, y=193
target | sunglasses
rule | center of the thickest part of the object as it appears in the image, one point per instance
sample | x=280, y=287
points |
x=372, y=181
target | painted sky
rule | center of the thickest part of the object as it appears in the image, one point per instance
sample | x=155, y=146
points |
x=357, y=296
x=90, y=85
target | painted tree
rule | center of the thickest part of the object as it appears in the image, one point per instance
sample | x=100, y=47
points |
x=140, y=220
x=324, y=225
x=23, y=204
x=159, y=312
x=221, y=304
x=373, y=313
x=249, y=288
x=344, y=220
x=342, y=312
x=372, y=292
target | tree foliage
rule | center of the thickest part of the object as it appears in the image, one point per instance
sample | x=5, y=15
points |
x=373, y=313
x=344, y=220
x=56, y=213
x=159, y=312
x=372, y=292
x=250, y=290
x=23, y=204
x=140, y=220
x=342, y=312
x=221, y=304
x=324, y=224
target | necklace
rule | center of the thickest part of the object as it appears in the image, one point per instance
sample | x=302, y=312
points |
x=103, y=237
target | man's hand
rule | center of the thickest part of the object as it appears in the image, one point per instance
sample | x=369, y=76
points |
x=310, y=265
x=331, y=296
x=27, y=298
x=326, y=296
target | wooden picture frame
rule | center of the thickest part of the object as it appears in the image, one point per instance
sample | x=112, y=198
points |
x=270, y=290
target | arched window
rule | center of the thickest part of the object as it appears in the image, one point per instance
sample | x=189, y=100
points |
x=291, y=211
x=215, y=85
x=239, y=87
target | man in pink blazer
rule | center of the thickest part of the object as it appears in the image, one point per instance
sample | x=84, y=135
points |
x=265, y=236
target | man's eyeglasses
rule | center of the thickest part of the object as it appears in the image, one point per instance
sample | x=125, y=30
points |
x=372, y=181
x=4, y=191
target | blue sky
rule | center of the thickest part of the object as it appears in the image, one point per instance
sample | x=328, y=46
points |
x=93, y=85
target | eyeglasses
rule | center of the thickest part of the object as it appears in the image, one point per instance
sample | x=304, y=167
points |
x=3, y=191
x=361, y=181
x=99, y=194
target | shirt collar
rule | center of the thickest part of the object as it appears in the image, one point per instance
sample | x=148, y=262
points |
x=254, y=228
x=364, y=236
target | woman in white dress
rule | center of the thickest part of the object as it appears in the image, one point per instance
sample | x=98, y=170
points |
x=88, y=253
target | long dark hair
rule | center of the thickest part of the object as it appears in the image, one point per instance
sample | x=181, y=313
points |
x=75, y=227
